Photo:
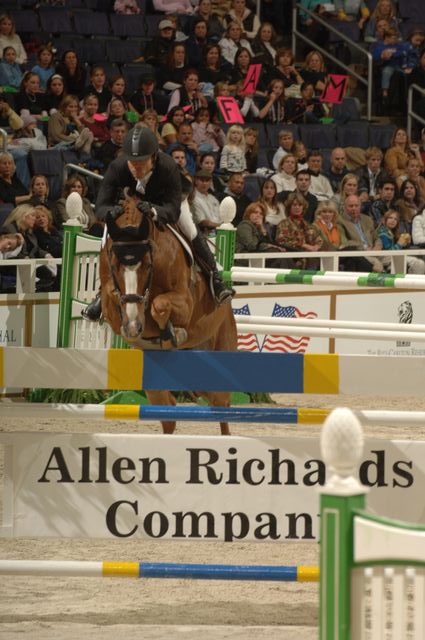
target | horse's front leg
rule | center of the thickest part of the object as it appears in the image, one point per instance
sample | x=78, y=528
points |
x=171, y=311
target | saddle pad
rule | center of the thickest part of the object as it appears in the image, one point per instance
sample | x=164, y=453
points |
x=186, y=246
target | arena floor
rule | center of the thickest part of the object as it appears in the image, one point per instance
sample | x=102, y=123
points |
x=44, y=608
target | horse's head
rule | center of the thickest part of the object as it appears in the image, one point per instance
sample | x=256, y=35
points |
x=131, y=266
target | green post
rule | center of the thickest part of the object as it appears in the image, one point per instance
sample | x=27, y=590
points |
x=226, y=236
x=67, y=275
x=342, y=445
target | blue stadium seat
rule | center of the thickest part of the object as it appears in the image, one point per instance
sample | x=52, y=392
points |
x=125, y=26
x=91, y=50
x=55, y=20
x=133, y=73
x=252, y=184
x=264, y=159
x=152, y=23
x=349, y=107
x=5, y=209
x=91, y=23
x=318, y=136
x=123, y=51
x=353, y=134
x=26, y=21
x=380, y=135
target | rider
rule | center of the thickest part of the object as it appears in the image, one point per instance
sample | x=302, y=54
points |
x=153, y=175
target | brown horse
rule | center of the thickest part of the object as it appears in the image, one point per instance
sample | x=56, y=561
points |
x=155, y=298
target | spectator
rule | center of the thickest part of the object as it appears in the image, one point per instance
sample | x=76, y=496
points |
x=116, y=110
x=232, y=41
x=98, y=88
x=246, y=103
x=408, y=205
x=92, y=120
x=275, y=211
x=384, y=10
x=150, y=119
x=301, y=154
x=373, y=173
x=179, y=156
x=10, y=247
x=415, y=41
x=146, y=96
x=338, y=168
x=55, y=93
x=329, y=227
x=189, y=95
x=286, y=145
x=284, y=179
x=117, y=88
x=30, y=99
x=196, y=42
x=126, y=7
x=307, y=108
x=392, y=238
x=75, y=183
x=232, y=159
x=10, y=71
x=387, y=195
x=413, y=173
x=303, y=184
x=211, y=69
x=65, y=128
x=214, y=25
x=209, y=137
x=295, y=233
x=352, y=10
x=45, y=66
x=185, y=140
x=48, y=237
x=401, y=149
x=235, y=189
x=320, y=185
x=251, y=149
x=29, y=137
x=284, y=69
x=241, y=64
x=39, y=191
x=314, y=71
x=173, y=6
x=392, y=56
x=264, y=46
x=349, y=186
x=175, y=117
x=315, y=31
x=11, y=188
x=158, y=48
x=207, y=162
x=418, y=230
x=171, y=74
x=378, y=37
x=72, y=72
x=8, y=117
x=251, y=232
x=274, y=110
x=361, y=236
x=9, y=38
x=244, y=18
x=111, y=149
x=204, y=206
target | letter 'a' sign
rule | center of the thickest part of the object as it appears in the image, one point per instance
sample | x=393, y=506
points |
x=251, y=80
x=335, y=89
x=230, y=110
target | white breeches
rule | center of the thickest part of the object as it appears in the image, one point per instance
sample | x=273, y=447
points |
x=185, y=221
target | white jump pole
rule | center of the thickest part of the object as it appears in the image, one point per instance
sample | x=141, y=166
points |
x=337, y=324
x=322, y=332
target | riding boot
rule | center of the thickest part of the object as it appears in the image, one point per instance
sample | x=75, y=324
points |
x=93, y=311
x=207, y=263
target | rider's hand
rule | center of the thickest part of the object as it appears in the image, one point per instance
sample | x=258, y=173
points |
x=115, y=211
x=145, y=207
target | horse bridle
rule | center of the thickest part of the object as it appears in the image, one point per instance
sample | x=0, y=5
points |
x=130, y=254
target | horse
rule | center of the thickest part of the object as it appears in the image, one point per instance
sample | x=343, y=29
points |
x=155, y=297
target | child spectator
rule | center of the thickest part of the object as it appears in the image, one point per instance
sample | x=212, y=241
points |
x=94, y=121
x=392, y=238
x=30, y=137
x=307, y=109
x=10, y=71
x=9, y=38
x=232, y=158
x=209, y=137
x=150, y=120
x=146, y=97
x=55, y=93
x=10, y=245
x=45, y=67
x=392, y=54
x=65, y=128
x=117, y=89
x=251, y=149
x=274, y=109
x=29, y=99
x=98, y=88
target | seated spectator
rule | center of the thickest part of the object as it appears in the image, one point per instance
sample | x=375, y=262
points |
x=320, y=185
x=150, y=119
x=381, y=27
x=413, y=173
x=232, y=159
x=384, y=11
x=10, y=71
x=45, y=66
x=274, y=109
x=204, y=205
x=264, y=46
x=29, y=99
x=175, y=117
x=126, y=7
x=301, y=154
x=189, y=95
x=117, y=87
x=352, y=10
x=93, y=120
x=251, y=149
x=10, y=246
x=72, y=72
x=401, y=149
x=307, y=108
x=196, y=42
x=212, y=70
x=65, y=129
x=173, y=6
x=215, y=27
x=11, y=188
x=235, y=189
x=386, y=200
x=207, y=162
x=158, y=48
x=275, y=211
x=55, y=93
x=372, y=174
x=314, y=71
x=179, y=156
x=338, y=168
x=112, y=148
x=116, y=111
x=361, y=236
x=418, y=230
x=303, y=184
x=284, y=69
x=75, y=183
x=8, y=117
x=391, y=54
x=286, y=145
x=39, y=191
x=22, y=220
x=294, y=233
x=252, y=234
x=146, y=96
x=245, y=101
x=315, y=31
x=329, y=227
x=171, y=73
x=98, y=87
x=392, y=238
x=284, y=179
x=415, y=41
x=209, y=137
x=246, y=19
x=185, y=140
x=9, y=38
x=48, y=237
x=348, y=186
x=29, y=137
x=409, y=204
x=232, y=41
x=241, y=65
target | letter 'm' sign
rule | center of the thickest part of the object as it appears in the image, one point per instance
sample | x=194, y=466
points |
x=251, y=80
x=335, y=89
x=230, y=110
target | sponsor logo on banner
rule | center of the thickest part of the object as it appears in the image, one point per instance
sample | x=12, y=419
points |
x=405, y=316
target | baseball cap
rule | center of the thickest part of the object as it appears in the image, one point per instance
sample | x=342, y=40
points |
x=165, y=24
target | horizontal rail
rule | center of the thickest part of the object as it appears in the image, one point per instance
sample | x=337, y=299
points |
x=340, y=324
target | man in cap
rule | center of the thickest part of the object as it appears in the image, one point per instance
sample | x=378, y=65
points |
x=155, y=177
x=205, y=206
x=159, y=47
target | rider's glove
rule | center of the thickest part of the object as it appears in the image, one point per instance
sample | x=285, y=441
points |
x=115, y=211
x=145, y=208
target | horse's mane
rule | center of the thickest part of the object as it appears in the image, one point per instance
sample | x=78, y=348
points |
x=132, y=224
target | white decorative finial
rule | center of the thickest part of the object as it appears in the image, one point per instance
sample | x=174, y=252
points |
x=74, y=206
x=227, y=212
x=342, y=446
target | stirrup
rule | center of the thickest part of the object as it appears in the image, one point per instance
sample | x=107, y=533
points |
x=223, y=293
x=93, y=311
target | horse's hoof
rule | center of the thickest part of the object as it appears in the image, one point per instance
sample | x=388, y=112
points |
x=181, y=336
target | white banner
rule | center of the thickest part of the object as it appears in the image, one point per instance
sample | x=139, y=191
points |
x=209, y=488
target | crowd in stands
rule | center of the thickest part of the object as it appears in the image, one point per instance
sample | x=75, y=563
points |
x=306, y=195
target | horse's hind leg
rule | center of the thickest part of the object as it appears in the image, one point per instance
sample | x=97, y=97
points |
x=164, y=398
x=219, y=399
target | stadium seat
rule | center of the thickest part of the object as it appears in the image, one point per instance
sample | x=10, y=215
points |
x=133, y=73
x=91, y=50
x=123, y=51
x=380, y=135
x=152, y=23
x=49, y=163
x=252, y=186
x=91, y=23
x=55, y=20
x=264, y=159
x=349, y=107
x=318, y=136
x=5, y=209
x=353, y=134
x=26, y=21
x=128, y=26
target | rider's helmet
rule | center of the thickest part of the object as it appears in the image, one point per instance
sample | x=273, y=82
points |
x=140, y=144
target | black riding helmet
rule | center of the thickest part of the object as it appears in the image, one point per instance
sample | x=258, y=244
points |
x=140, y=144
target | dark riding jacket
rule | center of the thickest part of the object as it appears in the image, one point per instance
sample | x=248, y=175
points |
x=163, y=190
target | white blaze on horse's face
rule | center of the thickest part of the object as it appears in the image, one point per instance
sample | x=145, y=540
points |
x=130, y=282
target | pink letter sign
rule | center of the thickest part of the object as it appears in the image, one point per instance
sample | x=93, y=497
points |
x=230, y=110
x=335, y=89
x=251, y=80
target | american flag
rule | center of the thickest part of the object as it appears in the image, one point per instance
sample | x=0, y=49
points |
x=284, y=344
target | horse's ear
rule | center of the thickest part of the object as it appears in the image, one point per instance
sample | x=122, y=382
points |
x=113, y=229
